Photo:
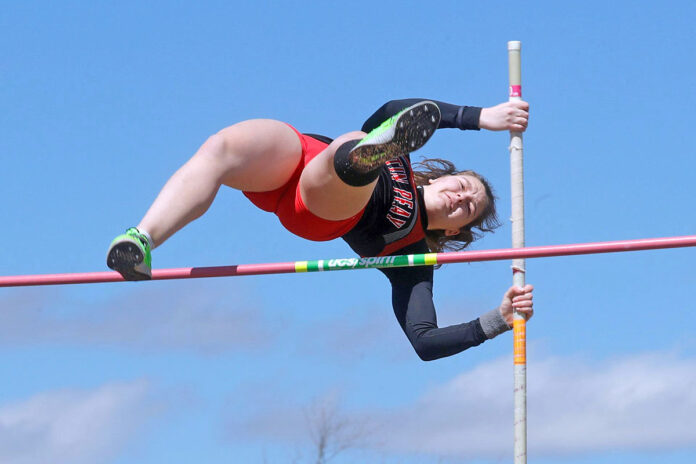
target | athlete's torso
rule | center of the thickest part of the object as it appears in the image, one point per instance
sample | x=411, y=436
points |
x=392, y=218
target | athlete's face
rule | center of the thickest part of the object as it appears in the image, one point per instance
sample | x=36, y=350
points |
x=453, y=202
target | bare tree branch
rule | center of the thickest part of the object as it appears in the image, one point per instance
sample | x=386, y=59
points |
x=332, y=432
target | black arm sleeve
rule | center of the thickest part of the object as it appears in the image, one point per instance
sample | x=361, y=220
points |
x=453, y=116
x=412, y=298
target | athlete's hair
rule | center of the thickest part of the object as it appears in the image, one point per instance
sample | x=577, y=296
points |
x=432, y=168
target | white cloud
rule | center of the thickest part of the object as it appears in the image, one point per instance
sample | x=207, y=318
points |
x=637, y=403
x=72, y=426
x=643, y=402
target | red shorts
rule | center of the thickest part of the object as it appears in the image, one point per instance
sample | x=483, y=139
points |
x=286, y=201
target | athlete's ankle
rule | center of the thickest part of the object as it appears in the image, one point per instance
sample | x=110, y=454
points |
x=348, y=168
x=147, y=236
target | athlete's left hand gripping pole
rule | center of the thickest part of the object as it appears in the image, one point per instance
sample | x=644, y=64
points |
x=518, y=269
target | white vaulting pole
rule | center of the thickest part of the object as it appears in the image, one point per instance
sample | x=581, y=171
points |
x=518, y=270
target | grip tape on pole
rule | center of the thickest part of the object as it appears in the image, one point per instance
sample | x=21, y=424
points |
x=520, y=340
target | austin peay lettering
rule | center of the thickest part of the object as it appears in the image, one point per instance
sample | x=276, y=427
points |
x=399, y=223
x=400, y=211
x=402, y=205
x=404, y=202
x=397, y=171
x=403, y=193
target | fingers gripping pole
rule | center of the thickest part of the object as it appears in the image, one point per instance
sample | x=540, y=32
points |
x=518, y=269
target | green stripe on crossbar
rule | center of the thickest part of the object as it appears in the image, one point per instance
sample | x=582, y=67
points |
x=381, y=262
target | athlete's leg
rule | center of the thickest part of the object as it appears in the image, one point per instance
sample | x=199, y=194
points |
x=324, y=193
x=257, y=155
x=338, y=183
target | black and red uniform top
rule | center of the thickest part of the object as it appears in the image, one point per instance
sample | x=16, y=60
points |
x=394, y=223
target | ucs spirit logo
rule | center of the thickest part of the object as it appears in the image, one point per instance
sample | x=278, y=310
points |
x=354, y=263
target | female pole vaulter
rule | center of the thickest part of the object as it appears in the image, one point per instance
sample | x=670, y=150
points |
x=361, y=187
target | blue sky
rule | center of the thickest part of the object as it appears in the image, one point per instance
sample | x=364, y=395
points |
x=103, y=102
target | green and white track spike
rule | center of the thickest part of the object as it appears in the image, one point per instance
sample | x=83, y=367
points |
x=129, y=254
x=403, y=133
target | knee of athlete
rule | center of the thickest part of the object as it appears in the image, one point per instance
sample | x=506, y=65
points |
x=348, y=137
x=218, y=150
x=355, y=135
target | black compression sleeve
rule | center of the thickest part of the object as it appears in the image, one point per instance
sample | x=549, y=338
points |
x=412, y=298
x=453, y=116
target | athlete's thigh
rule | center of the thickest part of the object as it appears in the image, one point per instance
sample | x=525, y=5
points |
x=324, y=193
x=261, y=154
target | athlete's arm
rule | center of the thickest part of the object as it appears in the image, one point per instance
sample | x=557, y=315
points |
x=412, y=299
x=510, y=115
x=453, y=116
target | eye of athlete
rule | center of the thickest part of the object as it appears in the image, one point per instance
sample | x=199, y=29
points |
x=467, y=188
x=473, y=197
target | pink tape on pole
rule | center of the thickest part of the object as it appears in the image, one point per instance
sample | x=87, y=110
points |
x=516, y=91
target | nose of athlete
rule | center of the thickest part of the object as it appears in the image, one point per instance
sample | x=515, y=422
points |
x=463, y=197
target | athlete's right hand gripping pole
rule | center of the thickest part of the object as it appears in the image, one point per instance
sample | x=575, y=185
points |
x=518, y=270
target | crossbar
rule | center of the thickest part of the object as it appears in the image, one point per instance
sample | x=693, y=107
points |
x=342, y=264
